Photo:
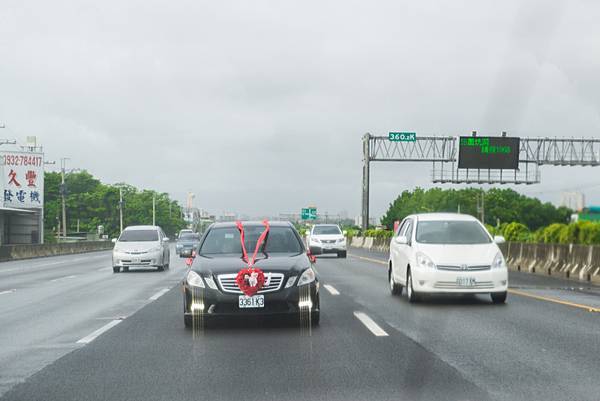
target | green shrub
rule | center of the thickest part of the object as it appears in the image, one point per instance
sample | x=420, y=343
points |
x=379, y=233
x=516, y=232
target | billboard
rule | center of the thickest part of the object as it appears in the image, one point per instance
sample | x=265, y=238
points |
x=494, y=152
x=23, y=179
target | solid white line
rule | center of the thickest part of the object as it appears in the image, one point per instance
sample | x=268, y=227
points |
x=8, y=291
x=331, y=290
x=370, y=324
x=92, y=337
x=159, y=294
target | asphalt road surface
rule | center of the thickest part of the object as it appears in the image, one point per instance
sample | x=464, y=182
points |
x=73, y=330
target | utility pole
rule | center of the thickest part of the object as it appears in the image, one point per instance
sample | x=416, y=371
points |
x=63, y=162
x=153, y=209
x=121, y=209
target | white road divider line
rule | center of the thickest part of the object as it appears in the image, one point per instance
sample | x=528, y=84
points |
x=159, y=294
x=105, y=328
x=370, y=324
x=63, y=278
x=104, y=269
x=8, y=291
x=331, y=290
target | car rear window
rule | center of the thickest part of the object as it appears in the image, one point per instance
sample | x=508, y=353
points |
x=451, y=232
x=138, y=236
x=326, y=230
x=189, y=236
x=226, y=240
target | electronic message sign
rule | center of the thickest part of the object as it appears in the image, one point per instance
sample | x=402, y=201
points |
x=493, y=152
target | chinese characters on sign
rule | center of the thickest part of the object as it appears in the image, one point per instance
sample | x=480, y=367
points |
x=23, y=179
x=489, y=153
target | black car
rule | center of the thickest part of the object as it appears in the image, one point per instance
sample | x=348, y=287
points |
x=291, y=285
x=187, y=243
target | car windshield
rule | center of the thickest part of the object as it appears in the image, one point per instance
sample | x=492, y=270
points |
x=326, y=230
x=226, y=240
x=451, y=232
x=138, y=236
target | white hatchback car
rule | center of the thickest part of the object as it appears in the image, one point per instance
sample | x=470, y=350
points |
x=446, y=253
x=141, y=246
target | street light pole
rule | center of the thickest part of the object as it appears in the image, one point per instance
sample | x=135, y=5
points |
x=121, y=209
x=63, y=162
x=153, y=209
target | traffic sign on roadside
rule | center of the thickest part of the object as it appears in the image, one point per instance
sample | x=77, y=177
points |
x=309, y=213
x=402, y=136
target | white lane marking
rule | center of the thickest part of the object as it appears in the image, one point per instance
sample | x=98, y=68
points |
x=331, y=290
x=104, y=269
x=8, y=291
x=370, y=324
x=159, y=294
x=63, y=278
x=92, y=337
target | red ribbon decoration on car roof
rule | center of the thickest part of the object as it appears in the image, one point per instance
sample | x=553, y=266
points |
x=251, y=279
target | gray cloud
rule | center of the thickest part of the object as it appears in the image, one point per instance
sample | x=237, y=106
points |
x=259, y=107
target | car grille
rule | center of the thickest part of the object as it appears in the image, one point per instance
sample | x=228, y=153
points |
x=464, y=268
x=135, y=252
x=449, y=285
x=143, y=262
x=273, y=282
x=328, y=241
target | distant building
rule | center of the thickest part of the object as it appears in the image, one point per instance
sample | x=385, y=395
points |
x=573, y=200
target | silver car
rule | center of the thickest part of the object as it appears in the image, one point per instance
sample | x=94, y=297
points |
x=141, y=246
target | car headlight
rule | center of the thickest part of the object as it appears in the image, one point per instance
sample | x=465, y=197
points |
x=499, y=262
x=307, y=277
x=424, y=261
x=155, y=249
x=194, y=279
x=341, y=240
x=316, y=240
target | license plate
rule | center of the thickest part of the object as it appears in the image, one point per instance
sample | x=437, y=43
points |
x=255, y=301
x=465, y=281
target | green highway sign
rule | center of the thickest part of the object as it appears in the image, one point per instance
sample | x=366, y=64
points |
x=309, y=213
x=402, y=136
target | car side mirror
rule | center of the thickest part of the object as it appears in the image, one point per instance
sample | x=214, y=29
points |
x=114, y=240
x=498, y=239
x=165, y=239
x=401, y=240
x=311, y=257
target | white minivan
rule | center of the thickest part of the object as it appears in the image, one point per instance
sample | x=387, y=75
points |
x=141, y=246
x=438, y=253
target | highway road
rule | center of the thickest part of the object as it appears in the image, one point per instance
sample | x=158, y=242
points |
x=73, y=330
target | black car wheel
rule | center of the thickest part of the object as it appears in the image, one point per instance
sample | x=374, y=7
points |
x=341, y=254
x=395, y=289
x=499, y=297
x=116, y=269
x=125, y=269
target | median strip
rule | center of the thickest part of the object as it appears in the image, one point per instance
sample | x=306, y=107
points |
x=92, y=337
x=331, y=289
x=159, y=294
x=370, y=324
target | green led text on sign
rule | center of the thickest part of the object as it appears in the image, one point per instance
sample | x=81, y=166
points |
x=402, y=136
x=484, y=146
x=309, y=213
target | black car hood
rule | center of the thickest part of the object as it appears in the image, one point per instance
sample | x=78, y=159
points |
x=289, y=264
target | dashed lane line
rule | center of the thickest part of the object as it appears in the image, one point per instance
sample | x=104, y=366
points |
x=381, y=262
x=63, y=278
x=331, y=289
x=159, y=294
x=88, y=339
x=370, y=324
x=8, y=291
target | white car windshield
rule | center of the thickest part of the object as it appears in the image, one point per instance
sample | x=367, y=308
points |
x=451, y=232
x=138, y=236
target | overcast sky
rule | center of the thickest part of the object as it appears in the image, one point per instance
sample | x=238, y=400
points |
x=259, y=106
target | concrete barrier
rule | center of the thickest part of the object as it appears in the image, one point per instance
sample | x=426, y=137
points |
x=17, y=252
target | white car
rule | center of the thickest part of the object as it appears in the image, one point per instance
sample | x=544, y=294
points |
x=141, y=246
x=327, y=238
x=439, y=253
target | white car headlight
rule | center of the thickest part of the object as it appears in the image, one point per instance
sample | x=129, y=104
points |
x=341, y=240
x=314, y=240
x=155, y=249
x=307, y=277
x=194, y=279
x=424, y=261
x=499, y=262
